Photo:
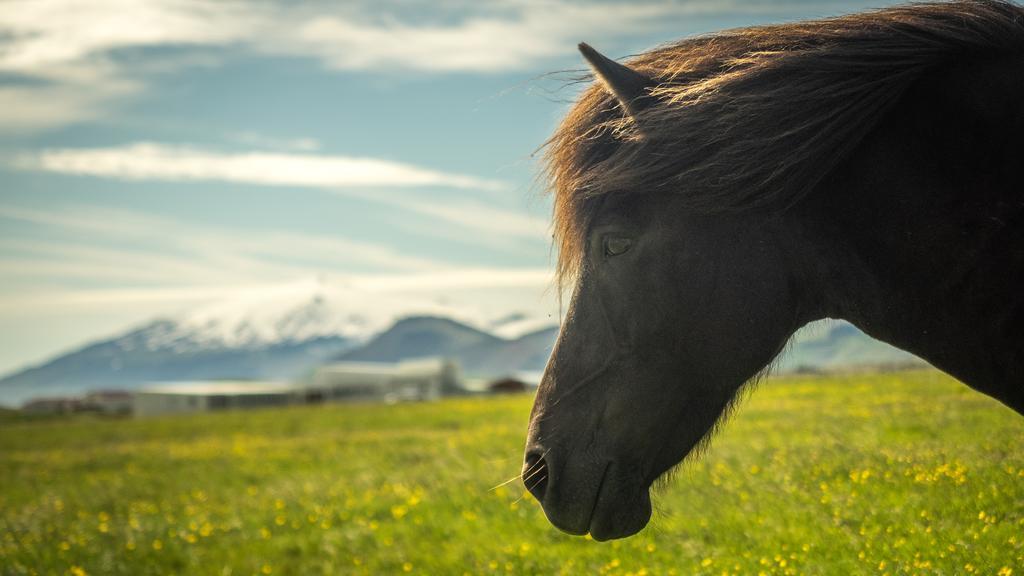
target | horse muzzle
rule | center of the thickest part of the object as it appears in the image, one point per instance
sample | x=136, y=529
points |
x=583, y=495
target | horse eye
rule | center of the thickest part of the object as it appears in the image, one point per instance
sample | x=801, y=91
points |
x=616, y=246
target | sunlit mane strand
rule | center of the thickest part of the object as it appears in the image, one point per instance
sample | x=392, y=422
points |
x=755, y=118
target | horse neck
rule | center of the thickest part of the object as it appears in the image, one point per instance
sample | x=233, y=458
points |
x=920, y=234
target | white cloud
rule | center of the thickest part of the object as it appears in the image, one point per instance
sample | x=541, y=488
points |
x=25, y=109
x=47, y=33
x=66, y=48
x=59, y=95
x=148, y=161
x=361, y=35
x=91, y=271
x=340, y=174
x=461, y=279
x=456, y=36
x=130, y=247
x=160, y=257
x=257, y=140
x=155, y=253
x=475, y=215
x=411, y=283
x=525, y=34
x=74, y=46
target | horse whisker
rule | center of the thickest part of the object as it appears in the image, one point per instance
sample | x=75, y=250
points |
x=532, y=474
x=528, y=488
x=506, y=482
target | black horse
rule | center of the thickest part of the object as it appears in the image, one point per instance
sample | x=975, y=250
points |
x=717, y=194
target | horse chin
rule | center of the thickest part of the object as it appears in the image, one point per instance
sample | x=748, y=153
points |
x=621, y=516
x=619, y=507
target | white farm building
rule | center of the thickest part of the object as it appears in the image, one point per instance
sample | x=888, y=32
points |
x=183, y=397
x=411, y=380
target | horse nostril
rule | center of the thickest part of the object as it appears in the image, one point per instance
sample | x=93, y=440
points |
x=535, y=475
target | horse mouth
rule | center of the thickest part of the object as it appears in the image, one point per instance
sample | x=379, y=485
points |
x=597, y=500
x=619, y=506
x=619, y=513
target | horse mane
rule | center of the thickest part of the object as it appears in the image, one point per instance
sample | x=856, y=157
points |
x=755, y=118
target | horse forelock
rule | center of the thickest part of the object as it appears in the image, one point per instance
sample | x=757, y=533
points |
x=755, y=118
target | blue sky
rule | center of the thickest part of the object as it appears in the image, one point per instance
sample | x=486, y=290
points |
x=158, y=154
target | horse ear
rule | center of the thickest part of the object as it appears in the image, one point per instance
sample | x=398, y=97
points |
x=628, y=86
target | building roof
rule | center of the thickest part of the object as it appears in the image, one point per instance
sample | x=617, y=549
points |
x=108, y=394
x=47, y=400
x=361, y=367
x=219, y=387
x=403, y=368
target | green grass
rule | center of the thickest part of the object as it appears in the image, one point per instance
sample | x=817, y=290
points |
x=896, y=473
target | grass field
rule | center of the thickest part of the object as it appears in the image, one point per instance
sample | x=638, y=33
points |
x=906, y=473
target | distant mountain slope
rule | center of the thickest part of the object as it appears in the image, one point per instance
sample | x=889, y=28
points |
x=277, y=333
x=419, y=337
x=822, y=346
x=832, y=345
x=528, y=353
x=477, y=352
x=122, y=363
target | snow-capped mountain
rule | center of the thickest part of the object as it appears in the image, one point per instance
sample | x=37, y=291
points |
x=290, y=313
x=278, y=332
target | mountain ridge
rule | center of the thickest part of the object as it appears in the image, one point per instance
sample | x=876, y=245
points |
x=281, y=333
x=477, y=351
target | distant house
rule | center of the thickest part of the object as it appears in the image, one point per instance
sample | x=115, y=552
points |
x=56, y=405
x=411, y=380
x=109, y=401
x=508, y=386
x=184, y=397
